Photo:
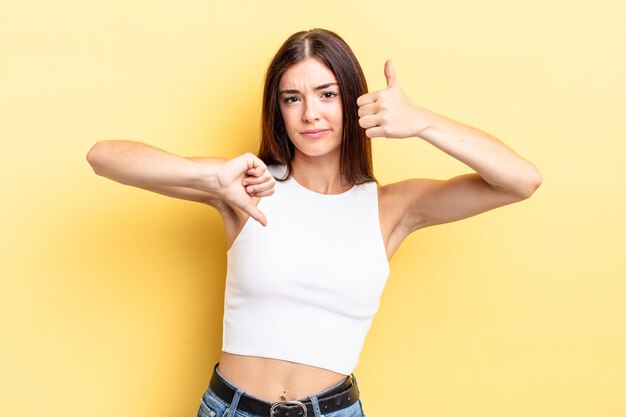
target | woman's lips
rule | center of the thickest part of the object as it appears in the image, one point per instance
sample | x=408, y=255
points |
x=314, y=133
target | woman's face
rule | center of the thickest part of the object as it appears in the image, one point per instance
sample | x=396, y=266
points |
x=311, y=108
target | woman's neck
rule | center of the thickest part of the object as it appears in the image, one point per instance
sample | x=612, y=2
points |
x=319, y=174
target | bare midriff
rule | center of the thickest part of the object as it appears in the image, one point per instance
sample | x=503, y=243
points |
x=275, y=380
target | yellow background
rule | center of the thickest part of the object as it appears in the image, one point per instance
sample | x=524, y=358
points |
x=111, y=297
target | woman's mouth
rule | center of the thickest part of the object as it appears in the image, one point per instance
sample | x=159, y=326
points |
x=314, y=133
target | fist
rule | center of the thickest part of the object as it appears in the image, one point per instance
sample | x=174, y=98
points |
x=242, y=178
x=389, y=112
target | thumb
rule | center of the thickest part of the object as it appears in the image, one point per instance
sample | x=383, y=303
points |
x=255, y=213
x=390, y=74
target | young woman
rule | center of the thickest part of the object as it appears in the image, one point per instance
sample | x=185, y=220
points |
x=305, y=274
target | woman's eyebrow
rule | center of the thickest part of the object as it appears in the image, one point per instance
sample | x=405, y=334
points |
x=319, y=87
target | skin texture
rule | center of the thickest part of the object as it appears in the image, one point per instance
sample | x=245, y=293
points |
x=311, y=109
x=312, y=112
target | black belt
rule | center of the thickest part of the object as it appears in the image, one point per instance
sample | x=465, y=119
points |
x=340, y=397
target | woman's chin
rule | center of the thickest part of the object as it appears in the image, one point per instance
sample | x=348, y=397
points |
x=312, y=152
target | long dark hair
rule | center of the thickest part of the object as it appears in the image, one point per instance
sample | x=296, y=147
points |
x=356, y=150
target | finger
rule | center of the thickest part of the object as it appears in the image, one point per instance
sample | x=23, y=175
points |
x=254, y=162
x=265, y=193
x=375, y=132
x=254, y=190
x=390, y=74
x=367, y=122
x=266, y=177
x=255, y=213
x=366, y=99
x=256, y=171
x=368, y=109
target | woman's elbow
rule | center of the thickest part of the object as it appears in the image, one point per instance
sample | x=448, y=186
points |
x=94, y=157
x=529, y=183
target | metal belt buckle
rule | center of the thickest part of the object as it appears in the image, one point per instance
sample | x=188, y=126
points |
x=275, y=405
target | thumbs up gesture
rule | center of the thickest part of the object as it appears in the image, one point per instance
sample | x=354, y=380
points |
x=389, y=112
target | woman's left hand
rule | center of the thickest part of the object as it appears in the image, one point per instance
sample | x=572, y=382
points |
x=389, y=112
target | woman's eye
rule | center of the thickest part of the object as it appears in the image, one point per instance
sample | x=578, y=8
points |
x=329, y=94
x=290, y=99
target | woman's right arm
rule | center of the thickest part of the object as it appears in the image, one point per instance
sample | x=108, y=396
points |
x=213, y=181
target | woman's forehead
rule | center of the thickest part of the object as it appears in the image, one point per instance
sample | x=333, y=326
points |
x=308, y=73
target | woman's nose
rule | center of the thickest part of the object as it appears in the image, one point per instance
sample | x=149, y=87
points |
x=311, y=113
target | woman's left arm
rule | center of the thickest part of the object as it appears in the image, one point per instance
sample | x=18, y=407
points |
x=502, y=177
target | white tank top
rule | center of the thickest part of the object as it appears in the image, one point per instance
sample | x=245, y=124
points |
x=305, y=288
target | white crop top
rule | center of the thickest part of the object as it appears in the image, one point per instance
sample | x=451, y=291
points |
x=305, y=288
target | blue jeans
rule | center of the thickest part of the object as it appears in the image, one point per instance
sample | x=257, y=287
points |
x=213, y=406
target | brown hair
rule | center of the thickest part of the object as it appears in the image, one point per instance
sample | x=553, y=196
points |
x=356, y=150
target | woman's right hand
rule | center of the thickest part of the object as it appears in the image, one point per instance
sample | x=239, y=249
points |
x=204, y=179
x=242, y=178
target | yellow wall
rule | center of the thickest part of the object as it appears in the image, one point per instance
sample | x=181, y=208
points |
x=111, y=297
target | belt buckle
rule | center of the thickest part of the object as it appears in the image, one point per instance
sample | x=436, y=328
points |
x=287, y=403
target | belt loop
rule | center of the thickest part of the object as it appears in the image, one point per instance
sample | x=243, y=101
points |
x=232, y=408
x=316, y=406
